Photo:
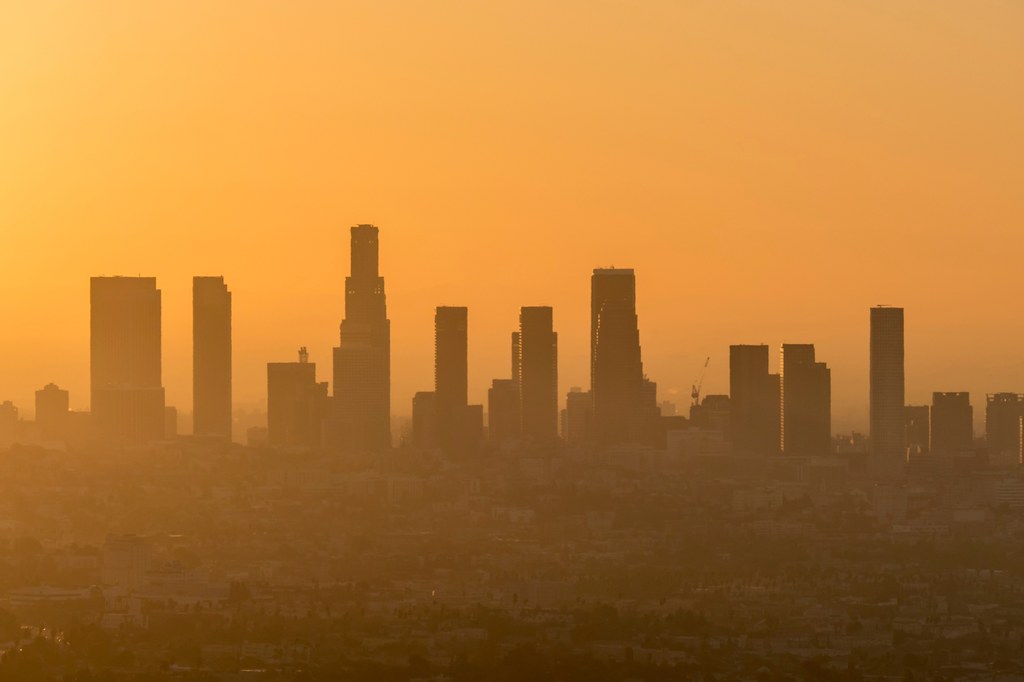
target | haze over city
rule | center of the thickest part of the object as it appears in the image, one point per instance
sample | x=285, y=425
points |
x=582, y=341
x=769, y=174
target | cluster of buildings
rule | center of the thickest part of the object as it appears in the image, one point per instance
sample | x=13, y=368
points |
x=766, y=413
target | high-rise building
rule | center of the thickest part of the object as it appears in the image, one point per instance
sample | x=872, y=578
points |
x=952, y=423
x=362, y=361
x=918, y=429
x=296, y=404
x=538, y=374
x=577, y=416
x=806, y=402
x=503, y=416
x=616, y=368
x=888, y=429
x=451, y=374
x=211, y=357
x=127, y=392
x=754, y=401
x=1003, y=413
x=52, y=409
x=424, y=420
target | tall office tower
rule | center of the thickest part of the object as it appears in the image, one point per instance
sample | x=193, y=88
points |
x=362, y=361
x=451, y=374
x=616, y=369
x=503, y=415
x=538, y=373
x=424, y=420
x=211, y=357
x=754, y=401
x=579, y=412
x=127, y=394
x=1003, y=413
x=918, y=429
x=806, y=402
x=888, y=430
x=297, y=406
x=952, y=423
x=52, y=409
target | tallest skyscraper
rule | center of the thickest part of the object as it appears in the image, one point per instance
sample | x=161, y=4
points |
x=362, y=361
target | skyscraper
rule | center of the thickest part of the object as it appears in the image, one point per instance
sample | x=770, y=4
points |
x=952, y=423
x=424, y=420
x=211, y=357
x=296, y=404
x=52, y=405
x=806, y=399
x=888, y=432
x=451, y=374
x=538, y=373
x=362, y=361
x=125, y=373
x=1003, y=413
x=616, y=369
x=754, y=401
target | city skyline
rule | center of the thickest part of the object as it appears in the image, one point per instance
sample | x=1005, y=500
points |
x=478, y=387
x=789, y=169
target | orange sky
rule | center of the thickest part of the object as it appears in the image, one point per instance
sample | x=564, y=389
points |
x=771, y=169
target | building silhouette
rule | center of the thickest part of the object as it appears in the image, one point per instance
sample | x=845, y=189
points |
x=1003, y=414
x=503, y=415
x=537, y=376
x=52, y=412
x=451, y=375
x=424, y=420
x=125, y=372
x=952, y=423
x=805, y=388
x=297, y=405
x=616, y=368
x=211, y=357
x=754, y=404
x=362, y=360
x=577, y=416
x=887, y=417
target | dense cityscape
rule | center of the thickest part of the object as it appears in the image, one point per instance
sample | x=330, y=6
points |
x=604, y=535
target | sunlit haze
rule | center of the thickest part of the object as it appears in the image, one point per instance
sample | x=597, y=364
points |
x=770, y=171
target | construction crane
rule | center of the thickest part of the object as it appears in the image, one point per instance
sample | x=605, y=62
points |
x=695, y=391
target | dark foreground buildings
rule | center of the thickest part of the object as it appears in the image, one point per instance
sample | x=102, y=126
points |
x=125, y=372
x=362, y=360
x=211, y=357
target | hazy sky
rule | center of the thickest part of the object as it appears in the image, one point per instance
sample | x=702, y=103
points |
x=771, y=170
